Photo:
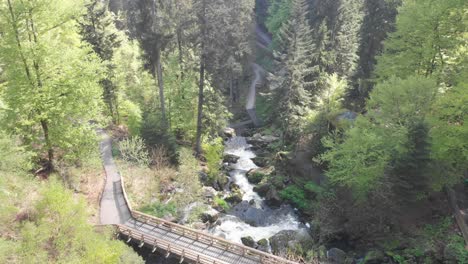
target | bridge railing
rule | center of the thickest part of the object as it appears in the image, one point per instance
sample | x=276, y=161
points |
x=199, y=236
x=211, y=240
x=157, y=243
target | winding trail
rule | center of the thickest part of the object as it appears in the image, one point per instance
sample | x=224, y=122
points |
x=263, y=41
x=113, y=209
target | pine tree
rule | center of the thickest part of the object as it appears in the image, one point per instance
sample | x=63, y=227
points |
x=296, y=47
x=347, y=40
x=152, y=22
x=98, y=29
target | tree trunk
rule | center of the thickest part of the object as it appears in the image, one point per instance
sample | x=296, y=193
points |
x=202, y=79
x=50, y=150
x=200, y=104
x=159, y=74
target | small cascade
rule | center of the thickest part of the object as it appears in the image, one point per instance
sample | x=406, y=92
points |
x=252, y=217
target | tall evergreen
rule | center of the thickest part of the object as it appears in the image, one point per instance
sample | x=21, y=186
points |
x=347, y=37
x=295, y=62
x=97, y=28
x=152, y=22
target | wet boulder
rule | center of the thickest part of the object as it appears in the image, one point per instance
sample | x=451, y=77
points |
x=273, y=198
x=336, y=256
x=209, y=192
x=263, y=245
x=230, y=158
x=234, y=198
x=255, y=176
x=288, y=239
x=261, y=161
x=248, y=241
x=262, y=189
x=209, y=216
x=280, y=242
x=260, y=141
x=229, y=132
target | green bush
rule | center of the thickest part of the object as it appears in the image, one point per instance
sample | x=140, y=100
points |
x=159, y=209
x=61, y=231
x=296, y=195
x=313, y=188
x=134, y=150
x=221, y=203
x=131, y=115
x=157, y=134
x=213, y=151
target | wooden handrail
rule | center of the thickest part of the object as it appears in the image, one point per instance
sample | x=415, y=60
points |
x=210, y=239
x=203, y=237
x=168, y=247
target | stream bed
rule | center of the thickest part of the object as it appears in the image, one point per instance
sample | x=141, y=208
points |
x=252, y=217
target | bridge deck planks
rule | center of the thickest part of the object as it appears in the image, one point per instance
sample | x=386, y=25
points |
x=165, y=234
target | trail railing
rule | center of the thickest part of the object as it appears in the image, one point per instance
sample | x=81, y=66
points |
x=198, y=236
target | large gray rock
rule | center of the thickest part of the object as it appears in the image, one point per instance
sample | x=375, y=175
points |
x=280, y=242
x=273, y=198
x=248, y=241
x=263, y=189
x=336, y=256
x=229, y=132
x=210, y=216
x=230, y=158
x=258, y=140
x=209, y=192
x=263, y=245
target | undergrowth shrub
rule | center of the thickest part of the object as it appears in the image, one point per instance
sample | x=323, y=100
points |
x=213, y=151
x=134, y=150
x=159, y=209
x=296, y=195
x=131, y=115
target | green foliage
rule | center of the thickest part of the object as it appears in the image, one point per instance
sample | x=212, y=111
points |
x=457, y=244
x=159, y=209
x=98, y=29
x=70, y=239
x=278, y=14
x=181, y=97
x=52, y=88
x=221, y=203
x=213, y=152
x=313, y=187
x=156, y=134
x=13, y=158
x=291, y=82
x=133, y=81
x=380, y=137
x=296, y=195
x=188, y=179
x=131, y=115
x=449, y=133
x=215, y=113
x=134, y=150
x=426, y=41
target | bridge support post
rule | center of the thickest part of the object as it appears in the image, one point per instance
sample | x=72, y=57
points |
x=168, y=251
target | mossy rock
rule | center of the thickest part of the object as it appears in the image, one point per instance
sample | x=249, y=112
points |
x=263, y=189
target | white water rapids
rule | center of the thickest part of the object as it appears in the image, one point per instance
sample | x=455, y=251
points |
x=265, y=221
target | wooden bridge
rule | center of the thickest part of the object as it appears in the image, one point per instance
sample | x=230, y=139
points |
x=189, y=245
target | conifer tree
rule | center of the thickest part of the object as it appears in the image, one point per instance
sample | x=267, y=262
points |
x=296, y=46
x=98, y=29
x=347, y=40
